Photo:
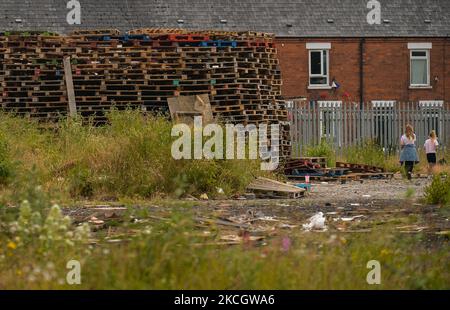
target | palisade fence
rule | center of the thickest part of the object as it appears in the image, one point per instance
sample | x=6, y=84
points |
x=347, y=124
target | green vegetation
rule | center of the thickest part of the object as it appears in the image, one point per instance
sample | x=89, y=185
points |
x=439, y=190
x=5, y=162
x=368, y=153
x=173, y=255
x=130, y=157
x=323, y=149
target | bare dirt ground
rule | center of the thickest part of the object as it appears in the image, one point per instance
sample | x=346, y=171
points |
x=354, y=207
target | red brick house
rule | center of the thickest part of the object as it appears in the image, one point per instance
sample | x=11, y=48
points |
x=366, y=69
x=406, y=57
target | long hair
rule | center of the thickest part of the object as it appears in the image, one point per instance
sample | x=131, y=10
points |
x=433, y=135
x=409, y=132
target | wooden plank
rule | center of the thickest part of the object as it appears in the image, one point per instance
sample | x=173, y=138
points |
x=69, y=87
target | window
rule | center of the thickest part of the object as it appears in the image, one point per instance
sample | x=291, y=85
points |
x=420, y=68
x=318, y=68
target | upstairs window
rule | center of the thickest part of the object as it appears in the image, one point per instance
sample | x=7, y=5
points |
x=420, y=67
x=319, y=75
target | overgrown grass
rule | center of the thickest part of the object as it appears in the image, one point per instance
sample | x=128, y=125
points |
x=323, y=149
x=172, y=255
x=368, y=153
x=130, y=157
x=438, y=192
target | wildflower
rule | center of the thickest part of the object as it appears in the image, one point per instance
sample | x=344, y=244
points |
x=286, y=244
x=11, y=245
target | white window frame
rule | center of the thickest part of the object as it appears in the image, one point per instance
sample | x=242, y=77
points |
x=431, y=104
x=321, y=47
x=411, y=58
x=383, y=103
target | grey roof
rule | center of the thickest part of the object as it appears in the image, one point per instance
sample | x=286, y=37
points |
x=307, y=18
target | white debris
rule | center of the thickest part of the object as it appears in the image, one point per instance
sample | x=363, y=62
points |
x=316, y=222
x=349, y=219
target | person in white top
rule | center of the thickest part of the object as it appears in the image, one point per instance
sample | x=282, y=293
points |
x=430, y=147
x=408, y=154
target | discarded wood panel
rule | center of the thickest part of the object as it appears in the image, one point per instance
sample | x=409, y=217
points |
x=267, y=188
x=69, y=85
x=183, y=109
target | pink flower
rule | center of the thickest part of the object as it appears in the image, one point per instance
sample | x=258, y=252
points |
x=286, y=244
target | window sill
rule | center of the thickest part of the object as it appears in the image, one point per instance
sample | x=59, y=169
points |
x=420, y=87
x=319, y=87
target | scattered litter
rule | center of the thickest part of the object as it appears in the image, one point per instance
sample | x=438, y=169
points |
x=96, y=221
x=267, y=188
x=204, y=197
x=220, y=190
x=355, y=204
x=282, y=205
x=304, y=186
x=287, y=226
x=349, y=219
x=316, y=222
x=366, y=196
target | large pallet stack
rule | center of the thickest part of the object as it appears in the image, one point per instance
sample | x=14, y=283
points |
x=32, y=75
x=141, y=69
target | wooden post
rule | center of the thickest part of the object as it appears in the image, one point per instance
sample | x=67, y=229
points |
x=69, y=87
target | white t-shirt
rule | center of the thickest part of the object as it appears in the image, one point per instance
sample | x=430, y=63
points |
x=405, y=140
x=431, y=146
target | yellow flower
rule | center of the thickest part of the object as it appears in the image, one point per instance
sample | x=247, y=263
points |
x=11, y=245
x=385, y=252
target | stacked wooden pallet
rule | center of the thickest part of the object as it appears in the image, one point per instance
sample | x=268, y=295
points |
x=32, y=75
x=141, y=69
x=315, y=169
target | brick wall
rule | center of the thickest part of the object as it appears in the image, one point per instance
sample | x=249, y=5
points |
x=386, y=69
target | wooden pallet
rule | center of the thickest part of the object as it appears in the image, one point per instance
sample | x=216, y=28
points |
x=267, y=188
x=359, y=167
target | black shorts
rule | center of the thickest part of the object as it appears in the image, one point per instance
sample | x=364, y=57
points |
x=431, y=157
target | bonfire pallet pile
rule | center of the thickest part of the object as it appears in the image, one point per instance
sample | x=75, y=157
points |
x=141, y=69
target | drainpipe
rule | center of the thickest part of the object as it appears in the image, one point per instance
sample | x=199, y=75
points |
x=361, y=71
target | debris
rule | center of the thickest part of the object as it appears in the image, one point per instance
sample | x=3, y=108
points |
x=316, y=222
x=349, y=219
x=305, y=186
x=184, y=108
x=204, y=197
x=250, y=196
x=267, y=188
x=220, y=190
x=96, y=221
